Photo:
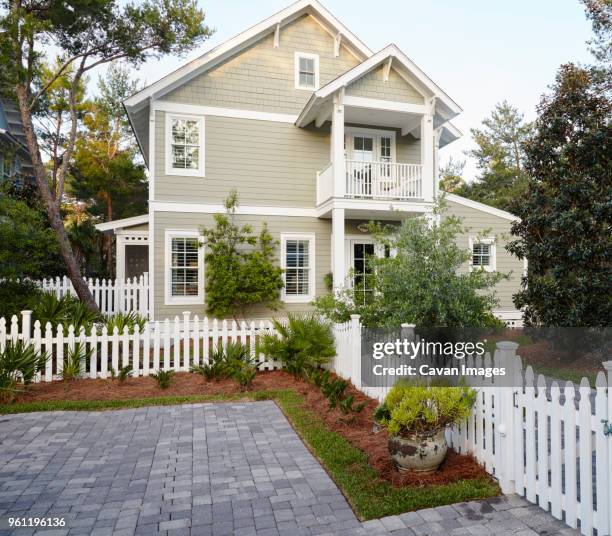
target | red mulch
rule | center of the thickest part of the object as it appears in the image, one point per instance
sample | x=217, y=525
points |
x=357, y=429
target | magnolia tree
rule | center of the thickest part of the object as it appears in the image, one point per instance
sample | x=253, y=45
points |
x=85, y=34
x=422, y=280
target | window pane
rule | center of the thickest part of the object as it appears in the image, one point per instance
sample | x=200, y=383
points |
x=185, y=144
x=192, y=132
x=185, y=268
x=297, y=263
x=307, y=79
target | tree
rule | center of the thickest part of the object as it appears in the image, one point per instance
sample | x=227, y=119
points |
x=499, y=157
x=423, y=283
x=87, y=35
x=565, y=230
x=105, y=171
x=451, y=175
x=240, y=267
x=599, y=12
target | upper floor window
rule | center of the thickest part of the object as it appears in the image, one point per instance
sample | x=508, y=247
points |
x=306, y=71
x=297, y=259
x=483, y=253
x=184, y=145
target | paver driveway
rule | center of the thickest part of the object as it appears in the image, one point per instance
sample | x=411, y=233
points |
x=202, y=469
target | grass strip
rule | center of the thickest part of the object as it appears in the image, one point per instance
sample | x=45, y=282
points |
x=370, y=496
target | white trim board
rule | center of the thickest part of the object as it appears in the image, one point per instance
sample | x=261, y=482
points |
x=310, y=237
x=481, y=206
x=212, y=208
x=120, y=224
x=242, y=40
x=194, y=109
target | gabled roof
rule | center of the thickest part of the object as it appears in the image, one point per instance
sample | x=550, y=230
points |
x=482, y=207
x=445, y=107
x=245, y=39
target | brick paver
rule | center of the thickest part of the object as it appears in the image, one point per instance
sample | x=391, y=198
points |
x=202, y=469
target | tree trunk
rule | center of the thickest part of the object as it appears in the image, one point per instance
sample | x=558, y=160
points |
x=52, y=205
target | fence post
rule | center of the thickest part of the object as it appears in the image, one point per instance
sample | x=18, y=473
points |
x=26, y=326
x=608, y=366
x=504, y=423
x=356, y=351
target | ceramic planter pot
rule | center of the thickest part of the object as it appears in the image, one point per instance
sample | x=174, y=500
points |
x=422, y=453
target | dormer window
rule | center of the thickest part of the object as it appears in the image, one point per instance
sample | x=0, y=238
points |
x=306, y=71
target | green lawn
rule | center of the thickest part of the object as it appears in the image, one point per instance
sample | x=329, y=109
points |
x=370, y=496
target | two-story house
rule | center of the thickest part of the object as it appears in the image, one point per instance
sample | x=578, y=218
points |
x=15, y=164
x=317, y=133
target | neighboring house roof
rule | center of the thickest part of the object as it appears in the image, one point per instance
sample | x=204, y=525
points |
x=120, y=224
x=482, y=207
x=245, y=39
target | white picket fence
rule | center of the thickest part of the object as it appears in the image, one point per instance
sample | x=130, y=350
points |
x=111, y=295
x=544, y=441
x=168, y=345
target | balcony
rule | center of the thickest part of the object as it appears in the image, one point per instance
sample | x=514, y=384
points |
x=373, y=180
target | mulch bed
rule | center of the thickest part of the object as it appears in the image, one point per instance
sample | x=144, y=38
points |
x=357, y=429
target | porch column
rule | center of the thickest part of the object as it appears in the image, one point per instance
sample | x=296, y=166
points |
x=338, y=268
x=427, y=154
x=337, y=145
x=120, y=257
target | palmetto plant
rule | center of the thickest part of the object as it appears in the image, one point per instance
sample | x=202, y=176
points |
x=71, y=369
x=122, y=320
x=163, y=378
x=19, y=362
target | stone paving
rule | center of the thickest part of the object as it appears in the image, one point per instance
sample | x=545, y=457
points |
x=203, y=469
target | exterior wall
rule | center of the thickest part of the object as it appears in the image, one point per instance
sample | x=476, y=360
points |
x=261, y=77
x=141, y=227
x=493, y=226
x=373, y=86
x=269, y=163
x=140, y=124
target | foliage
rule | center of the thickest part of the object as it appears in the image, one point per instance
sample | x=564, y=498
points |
x=599, y=12
x=451, y=175
x=28, y=247
x=232, y=361
x=18, y=363
x=67, y=310
x=565, y=227
x=240, y=267
x=420, y=409
x=122, y=374
x=301, y=343
x=333, y=390
x=79, y=353
x=125, y=320
x=17, y=296
x=425, y=283
x=499, y=157
x=348, y=405
x=163, y=378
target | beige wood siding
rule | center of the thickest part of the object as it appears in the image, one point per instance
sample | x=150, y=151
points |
x=261, y=77
x=140, y=124
x=497, y=227
x=269, y=163
x=141, y=227
x=373, y=86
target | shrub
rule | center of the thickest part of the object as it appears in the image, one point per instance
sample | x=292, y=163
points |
x=123, y=374
x=348, y=405
x=122, y=320
x=17, y=296
x=19, y=363
x=163, y=378
x=71, y=369
x=232, y=361
x=333, y=391
x=418, y=409
x=244, y=374
x=302, y=343
x=67, y=310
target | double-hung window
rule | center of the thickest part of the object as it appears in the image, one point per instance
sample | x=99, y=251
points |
x=306, y=71
x=483, y=253
x=184, y=145
x=297, y=260
x=184, y=268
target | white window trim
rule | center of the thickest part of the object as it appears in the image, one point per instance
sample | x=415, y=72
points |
x=200, y=172
x=493, y=253
x=169, y=299
x=351, y=132
x=306, y=298
x=296, y=68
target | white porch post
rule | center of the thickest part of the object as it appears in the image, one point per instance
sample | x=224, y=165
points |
x=337, y=145
x=338, y=269
x=120, y=257
x=427, y=154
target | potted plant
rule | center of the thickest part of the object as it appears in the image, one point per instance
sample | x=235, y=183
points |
x=416, y=418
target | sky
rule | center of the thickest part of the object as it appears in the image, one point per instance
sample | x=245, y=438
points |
x=479, y=51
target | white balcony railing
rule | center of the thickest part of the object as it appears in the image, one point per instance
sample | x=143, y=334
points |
x=383, y=180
